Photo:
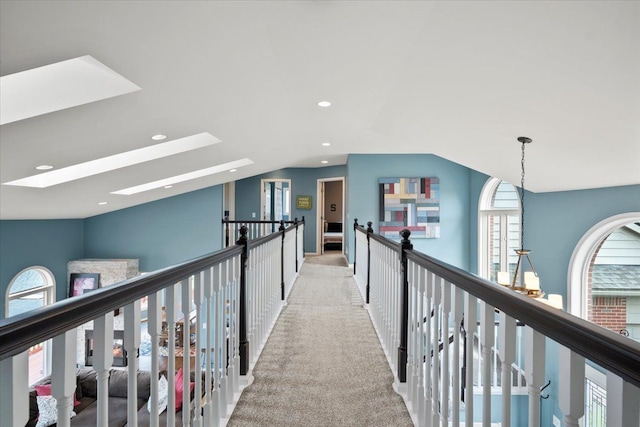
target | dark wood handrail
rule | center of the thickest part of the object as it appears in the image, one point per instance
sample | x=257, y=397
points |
x=238, y=221
x=18, y=333
x=612, y=351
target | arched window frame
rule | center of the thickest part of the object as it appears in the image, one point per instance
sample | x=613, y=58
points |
x=485, y=211
x=578, y=275
x=49, y=295
x=49, y=289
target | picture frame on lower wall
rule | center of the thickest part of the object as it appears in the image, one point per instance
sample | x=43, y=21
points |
x=81, y=283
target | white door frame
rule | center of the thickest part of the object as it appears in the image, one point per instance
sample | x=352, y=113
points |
x=262, y=198
x=320, y=213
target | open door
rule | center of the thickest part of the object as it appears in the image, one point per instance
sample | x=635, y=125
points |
x=331, y=215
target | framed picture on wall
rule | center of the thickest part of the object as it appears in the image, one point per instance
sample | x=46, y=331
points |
x=303, y=202
x=81, y=283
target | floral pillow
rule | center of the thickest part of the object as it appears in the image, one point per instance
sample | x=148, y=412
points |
x=163, y=395
x=48, y=411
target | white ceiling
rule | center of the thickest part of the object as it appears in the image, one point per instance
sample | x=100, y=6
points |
x=461, y=80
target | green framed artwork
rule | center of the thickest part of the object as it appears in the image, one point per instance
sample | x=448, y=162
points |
x=303, y=202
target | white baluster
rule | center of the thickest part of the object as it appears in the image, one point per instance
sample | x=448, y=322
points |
x=435, y=349
x=14, y=389
x=217, y=410
x=487, y=325
x=208, y=419
x=154, y=321
x=198, y=300
x=507, y=352
x=102, y=361
x=428, y=348
x=422, y=359
x=221, y=322
x=131, y=345
x=623, y=409
x=571, y=386
x=230, y=341
x=470, y=325
x=458, y=312
x=446, y=310
x=411, y=386
x=63, y=377
x=171, y=309
x=186, y=347
x=535, y=370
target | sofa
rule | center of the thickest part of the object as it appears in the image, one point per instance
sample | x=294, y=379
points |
x=86, y=404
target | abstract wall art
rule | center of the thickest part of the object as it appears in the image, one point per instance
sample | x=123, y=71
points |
x=412, y=203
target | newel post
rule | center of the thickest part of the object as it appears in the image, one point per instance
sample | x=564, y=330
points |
x=355, y=243
x=305, y=226
x=404, y=313
x=281, y=229
x=244, y=343
x=225, y=221
x=369, y=232
x=295, y=222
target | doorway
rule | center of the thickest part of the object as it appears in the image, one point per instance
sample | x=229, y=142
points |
x=330, y=215
x=275, y=202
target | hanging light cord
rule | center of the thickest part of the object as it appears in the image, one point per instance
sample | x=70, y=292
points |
x=522, y=201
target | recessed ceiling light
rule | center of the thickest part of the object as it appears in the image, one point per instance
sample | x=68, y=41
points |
x=168, y=186
x=233, y=170
x=117, y=161
x=159, y=137
x=326, y=144
x=324, y=162
x=184, y=177
x=57, y=87
x=324, y=104
x=44, y=167
x=102, y=203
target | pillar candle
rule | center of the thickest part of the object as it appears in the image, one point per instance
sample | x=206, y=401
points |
x=531, y=281
x=503, y=278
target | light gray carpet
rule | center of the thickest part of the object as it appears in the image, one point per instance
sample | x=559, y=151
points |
x=323, y=364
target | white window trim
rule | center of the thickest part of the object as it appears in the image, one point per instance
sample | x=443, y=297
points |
x=485, y=210
x=49, y=290
x=584, y=251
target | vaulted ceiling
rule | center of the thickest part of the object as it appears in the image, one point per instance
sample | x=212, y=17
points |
x=461, y=80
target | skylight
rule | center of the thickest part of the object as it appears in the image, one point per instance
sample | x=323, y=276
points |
x=117, y=161
x=184, y=177
x=57, y=87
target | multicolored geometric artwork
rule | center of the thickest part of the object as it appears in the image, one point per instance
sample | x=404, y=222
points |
x=412, y=203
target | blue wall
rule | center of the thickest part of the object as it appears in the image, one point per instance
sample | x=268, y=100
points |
x=304, y=182
x=554, y=224
x=160, y=233
x=363, y=173
x=49, y=244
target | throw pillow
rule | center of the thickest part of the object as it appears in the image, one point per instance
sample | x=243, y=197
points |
x=45, y=390
x=163, y=395
x=48, y=411
x=180, y=388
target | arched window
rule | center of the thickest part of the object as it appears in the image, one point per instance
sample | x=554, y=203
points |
x=603, y=288
x=32, y=288
x=498, y=228
x=603, y=274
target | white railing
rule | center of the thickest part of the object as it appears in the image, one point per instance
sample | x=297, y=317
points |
x=255, y=229
x=195, y=321
x=462, y=330
x=384, y=297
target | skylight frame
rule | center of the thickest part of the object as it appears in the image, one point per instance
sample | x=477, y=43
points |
x=162, y=183
x=116, y=161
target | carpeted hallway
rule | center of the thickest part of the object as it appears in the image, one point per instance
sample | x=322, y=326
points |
x=323, y=364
